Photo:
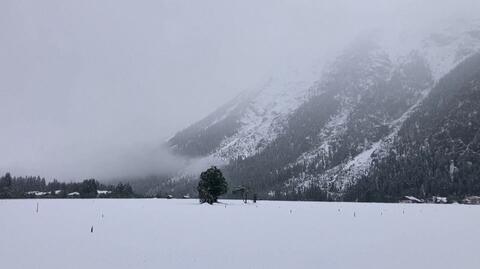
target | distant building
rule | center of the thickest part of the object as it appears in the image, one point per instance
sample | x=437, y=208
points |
x=472, y=200
x=410, y=200
x=57, y=192
x=73, y=194
x=186, y=196
x=439, y=200
x=37, y=193
x=103, y=193
x=169, y=196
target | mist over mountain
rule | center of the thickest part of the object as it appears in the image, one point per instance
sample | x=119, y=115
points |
x=239, y=134
x=283, y=95
x=365, y=116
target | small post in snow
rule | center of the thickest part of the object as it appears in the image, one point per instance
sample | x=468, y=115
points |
x=91, y=229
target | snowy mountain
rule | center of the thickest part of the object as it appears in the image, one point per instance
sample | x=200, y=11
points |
x=245, y=125
x=437, y=149
x=323, y=130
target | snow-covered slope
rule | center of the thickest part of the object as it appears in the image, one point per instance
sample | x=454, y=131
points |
x=443, y=49
x=324, y=127
x=441, y=52
x=436, y=149
x=266, y=115
x=255, y=118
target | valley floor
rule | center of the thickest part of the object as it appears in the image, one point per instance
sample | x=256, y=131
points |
x=157, y=233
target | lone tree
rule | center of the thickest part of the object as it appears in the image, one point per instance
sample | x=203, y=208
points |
x=212, y=184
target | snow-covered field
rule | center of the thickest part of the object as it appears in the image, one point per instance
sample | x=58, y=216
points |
x=157, y=233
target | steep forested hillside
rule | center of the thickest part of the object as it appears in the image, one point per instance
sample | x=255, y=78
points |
x=437, y=151
x=373, y=114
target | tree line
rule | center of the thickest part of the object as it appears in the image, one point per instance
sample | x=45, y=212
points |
x=25, y=187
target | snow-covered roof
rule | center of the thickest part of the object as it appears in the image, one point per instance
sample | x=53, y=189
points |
x=412, y=198
x=103, y=192
x=74, y=194
x=37, y=193
x=440, y=199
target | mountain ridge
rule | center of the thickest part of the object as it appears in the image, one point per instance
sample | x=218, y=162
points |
x=324, y=131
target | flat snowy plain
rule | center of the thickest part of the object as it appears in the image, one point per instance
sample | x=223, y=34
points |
x=157, y=233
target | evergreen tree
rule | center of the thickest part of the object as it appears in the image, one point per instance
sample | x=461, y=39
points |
x=212, y=185
x=89, y=188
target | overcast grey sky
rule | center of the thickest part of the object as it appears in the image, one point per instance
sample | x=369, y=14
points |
x=87, y=87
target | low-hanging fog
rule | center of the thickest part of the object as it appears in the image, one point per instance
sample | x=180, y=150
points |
x=93, y=88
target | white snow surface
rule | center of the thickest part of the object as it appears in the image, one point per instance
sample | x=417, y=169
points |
x=157, y=233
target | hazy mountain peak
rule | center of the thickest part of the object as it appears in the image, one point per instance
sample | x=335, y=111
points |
x=326, y=125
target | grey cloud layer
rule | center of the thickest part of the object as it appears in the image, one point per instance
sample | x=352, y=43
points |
x=92, y=88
